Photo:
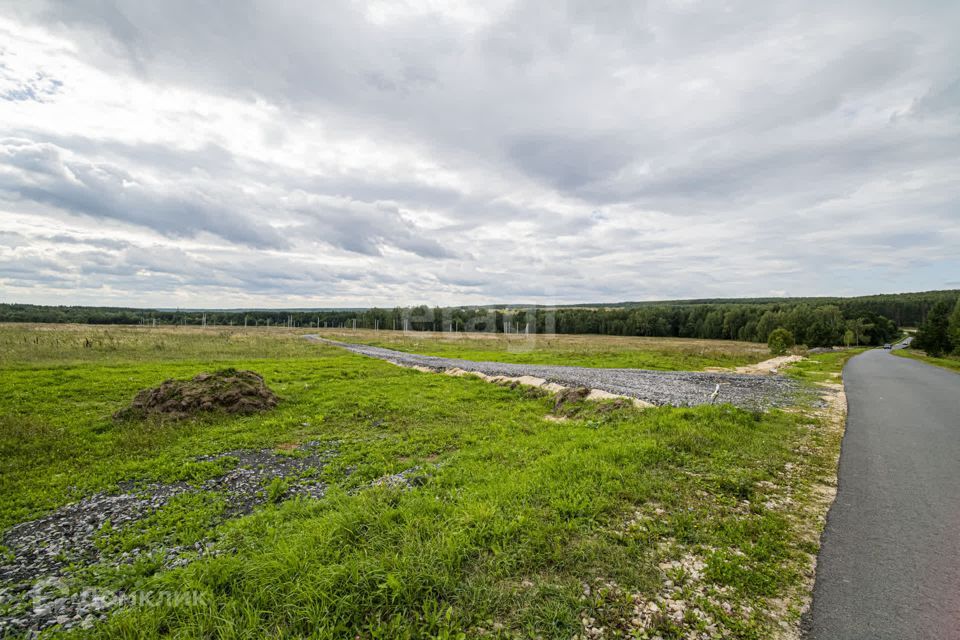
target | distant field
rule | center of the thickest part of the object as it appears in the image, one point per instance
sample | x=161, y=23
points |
x=518, y=526
x=35, y=344
x=676, y=354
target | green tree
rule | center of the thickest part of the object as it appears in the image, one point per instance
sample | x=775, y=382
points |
x=826, y=327
x=780, y=341
x=954, y=327
x=858, y=327
x=797, y=321
x=933, y=335
x=769, y=321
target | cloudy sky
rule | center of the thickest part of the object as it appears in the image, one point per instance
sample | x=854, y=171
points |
x=183, y=153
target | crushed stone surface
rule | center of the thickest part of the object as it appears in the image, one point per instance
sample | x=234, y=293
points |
x=673, y=388
x=34, y=590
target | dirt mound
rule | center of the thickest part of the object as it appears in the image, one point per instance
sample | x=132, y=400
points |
x=769, y=367
x=227, y=390
x=569, y=396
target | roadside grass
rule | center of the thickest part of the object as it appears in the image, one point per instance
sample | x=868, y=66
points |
x=523, y=527
x=823, y=367
x=670, y=354
x=947, y=362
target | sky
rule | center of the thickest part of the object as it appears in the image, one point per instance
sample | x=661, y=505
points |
x=304, y=154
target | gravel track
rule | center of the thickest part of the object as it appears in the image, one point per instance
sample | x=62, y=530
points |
x=674, y=388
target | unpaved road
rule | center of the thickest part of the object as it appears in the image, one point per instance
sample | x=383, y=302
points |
x=889, y=565
x=677, y=388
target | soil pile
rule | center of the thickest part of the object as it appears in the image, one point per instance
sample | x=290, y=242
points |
x=569, y=396
x=227, y=390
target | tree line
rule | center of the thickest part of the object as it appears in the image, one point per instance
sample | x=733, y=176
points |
x=814, y=322
x=939, y=334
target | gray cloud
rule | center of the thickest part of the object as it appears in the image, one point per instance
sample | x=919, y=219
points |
x=572, y=151
x=569, y=162
x=42, y=173
x=366, y=228
x=941, y=100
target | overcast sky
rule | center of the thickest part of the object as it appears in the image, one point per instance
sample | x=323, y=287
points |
x=377, y=153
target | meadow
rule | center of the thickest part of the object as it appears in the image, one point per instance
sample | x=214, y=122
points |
x=602, y=521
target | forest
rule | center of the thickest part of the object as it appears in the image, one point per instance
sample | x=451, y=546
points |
x=814, y=322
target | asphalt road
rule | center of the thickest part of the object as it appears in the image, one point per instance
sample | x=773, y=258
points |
x=889, y=564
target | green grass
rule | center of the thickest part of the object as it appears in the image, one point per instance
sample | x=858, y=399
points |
x=670, y=354
x=947, y=362
x=517, y=514
x=823, y=367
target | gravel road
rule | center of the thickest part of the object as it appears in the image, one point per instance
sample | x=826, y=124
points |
x=676, y=388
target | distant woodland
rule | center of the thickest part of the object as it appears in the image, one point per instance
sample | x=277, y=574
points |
x=865, y=320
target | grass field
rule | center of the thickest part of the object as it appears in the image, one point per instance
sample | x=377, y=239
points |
x=641, y=523
x=675, y=354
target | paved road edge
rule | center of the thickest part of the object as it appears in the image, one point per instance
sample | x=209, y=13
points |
x=834, y=415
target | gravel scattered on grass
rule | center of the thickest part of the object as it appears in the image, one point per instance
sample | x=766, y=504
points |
x=34, y=575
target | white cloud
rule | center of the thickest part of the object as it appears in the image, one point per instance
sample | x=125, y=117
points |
x=390, y=153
